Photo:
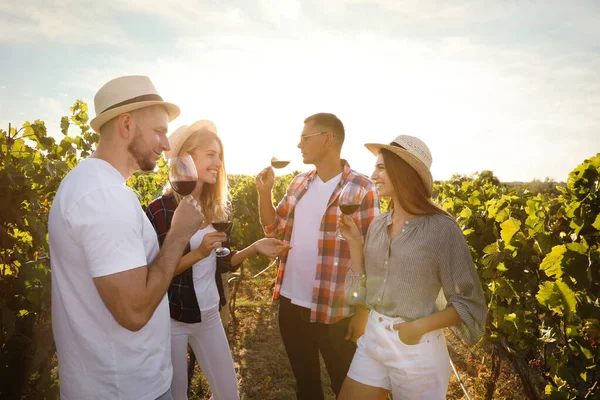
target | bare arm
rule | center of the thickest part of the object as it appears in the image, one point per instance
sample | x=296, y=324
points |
x=353, y=237
x=133, y=295
x=411, y=332
x=264, y=184
x=240, y=256
x=269, y=247
x=210, y=242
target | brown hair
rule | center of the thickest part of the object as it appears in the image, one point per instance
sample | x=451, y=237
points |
x=409, y=187
x=215, y=197
x=329, y=122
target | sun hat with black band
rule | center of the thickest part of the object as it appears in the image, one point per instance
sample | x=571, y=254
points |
x=126, y=94
x=414, y=152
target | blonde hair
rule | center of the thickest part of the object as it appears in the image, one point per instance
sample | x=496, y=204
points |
x=215, y=197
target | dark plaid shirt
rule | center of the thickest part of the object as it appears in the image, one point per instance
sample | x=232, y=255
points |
x=183, y=303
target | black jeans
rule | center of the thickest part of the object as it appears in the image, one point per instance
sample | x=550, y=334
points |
x=304, y=339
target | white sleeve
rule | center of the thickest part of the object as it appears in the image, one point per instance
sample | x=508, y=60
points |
x=106, y=224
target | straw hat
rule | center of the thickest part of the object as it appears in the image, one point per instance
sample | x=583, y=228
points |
x=413, y=151
x=125, y=94
x=181, y=134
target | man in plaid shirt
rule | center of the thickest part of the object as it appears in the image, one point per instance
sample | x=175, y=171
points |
x=313, y=313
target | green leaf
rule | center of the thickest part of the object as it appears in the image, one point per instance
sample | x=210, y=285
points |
x=596, y=223
x=466, y=213
x=491, y=248
x=64, y=125
x=552, y=263
x=558, y=297
x=509, y=228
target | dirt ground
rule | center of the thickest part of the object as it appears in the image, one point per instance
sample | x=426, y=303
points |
x=264, y=373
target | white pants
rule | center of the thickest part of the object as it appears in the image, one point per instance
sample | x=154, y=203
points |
x=417, y=372
x=209, y=343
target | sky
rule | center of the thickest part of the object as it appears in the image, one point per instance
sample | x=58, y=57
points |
x=509, y=86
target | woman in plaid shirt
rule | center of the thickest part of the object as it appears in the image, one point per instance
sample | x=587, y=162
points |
x=196, y=293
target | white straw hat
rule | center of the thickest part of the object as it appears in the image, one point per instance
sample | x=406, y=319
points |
x=181, y=134
x=414, y=152
x=125, y=94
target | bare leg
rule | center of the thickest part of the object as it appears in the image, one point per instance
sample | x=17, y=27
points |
x=353, y=390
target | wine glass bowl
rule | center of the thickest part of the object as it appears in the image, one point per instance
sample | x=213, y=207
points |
x=350, y=200
x=182, y=174
x=222, y=226
x=279, y=164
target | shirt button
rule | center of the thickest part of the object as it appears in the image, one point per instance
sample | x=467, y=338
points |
x=403, y=230
x=379, y=299
x=384, y=280
x=380, y=319
x=335, y=263
x=406, y=222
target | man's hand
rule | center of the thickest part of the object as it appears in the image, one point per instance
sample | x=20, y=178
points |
x=357, y=325
x=187, y=218
x=265, y=180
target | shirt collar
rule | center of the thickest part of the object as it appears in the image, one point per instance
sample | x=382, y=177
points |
x=418, y=220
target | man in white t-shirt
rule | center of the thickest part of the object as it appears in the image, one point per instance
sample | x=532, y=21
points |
x=110, y=315
x=313, y=314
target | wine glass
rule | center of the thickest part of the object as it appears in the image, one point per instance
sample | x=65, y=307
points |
x=350, y=200
x=279, y=164
x=182, y=174
x=222, y=226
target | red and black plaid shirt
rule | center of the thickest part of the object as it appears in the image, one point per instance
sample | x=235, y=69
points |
x=329, y=304
x=183, y=303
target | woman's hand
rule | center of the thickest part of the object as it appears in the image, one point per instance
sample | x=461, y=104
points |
x=349, y=230
x=271, y=247
x=410, y=333
x=210, y=242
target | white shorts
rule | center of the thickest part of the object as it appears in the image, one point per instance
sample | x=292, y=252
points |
x=417, y=372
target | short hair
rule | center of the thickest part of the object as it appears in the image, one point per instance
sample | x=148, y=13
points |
x=330, y=122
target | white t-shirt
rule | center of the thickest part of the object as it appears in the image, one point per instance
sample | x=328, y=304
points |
x=301, y=266
x=96, y=228
x=203, y=272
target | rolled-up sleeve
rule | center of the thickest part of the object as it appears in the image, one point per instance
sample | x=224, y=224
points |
x=461, y=285
x=355, y=288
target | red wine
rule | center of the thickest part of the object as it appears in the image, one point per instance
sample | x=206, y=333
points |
x=279, y=164
x=222, y=226
x=349, y=208
x=183, y=187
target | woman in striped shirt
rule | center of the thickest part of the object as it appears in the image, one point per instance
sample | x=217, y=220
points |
x=411, y=255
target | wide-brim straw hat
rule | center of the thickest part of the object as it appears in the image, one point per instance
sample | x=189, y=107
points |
x=414, y=152
x=126, y=94
x=181, y=134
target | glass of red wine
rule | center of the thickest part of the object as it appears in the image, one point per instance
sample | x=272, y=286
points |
x=222, y=226
x=182, y=174
x=350, y=200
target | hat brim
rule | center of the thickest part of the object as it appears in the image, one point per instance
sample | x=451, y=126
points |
x=179, y=136
x=103, y=118
x=407, y=156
